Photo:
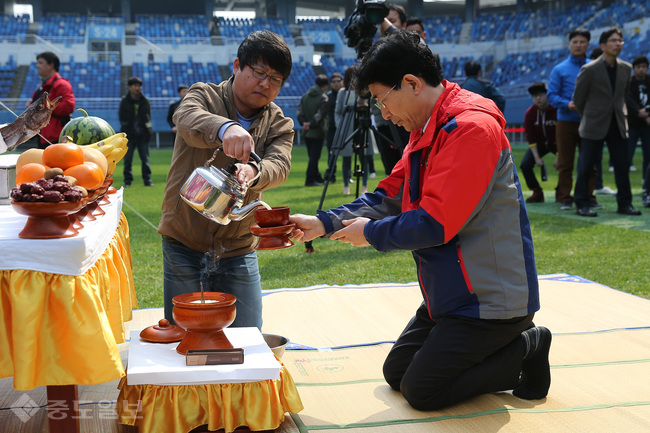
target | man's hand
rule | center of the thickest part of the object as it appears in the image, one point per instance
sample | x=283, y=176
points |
x=305, y=126
x=572, y=106
x=237, y=143
x=307, y=227
x=245, y=172
x=539, y=161
x=352, y=233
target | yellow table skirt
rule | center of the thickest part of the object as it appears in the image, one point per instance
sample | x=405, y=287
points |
x=257, y=405
x=62, y=329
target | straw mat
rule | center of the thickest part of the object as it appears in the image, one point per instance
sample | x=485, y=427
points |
x=600, y=360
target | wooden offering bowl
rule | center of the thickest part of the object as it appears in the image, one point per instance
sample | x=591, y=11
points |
x=274, y=217
x=48, y=220
x=103, y=190
x=86, y=212
x=273, y=238
x=204, y=322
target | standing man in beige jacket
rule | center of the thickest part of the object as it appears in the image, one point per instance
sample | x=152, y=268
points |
x=238, y=114
x=599, y=98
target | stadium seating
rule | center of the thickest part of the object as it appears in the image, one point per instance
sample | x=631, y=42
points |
x=620, y=12
x=12, y=26
x=63, y=29
x=162, y=79
x=7, y=74
x=238, y=28
x=88, y=80
x=175, y=30
x=442, y=29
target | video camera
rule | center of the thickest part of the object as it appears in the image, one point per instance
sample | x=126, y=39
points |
x=362, y=24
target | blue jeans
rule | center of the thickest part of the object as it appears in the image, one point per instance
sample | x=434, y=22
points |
x=186, y=268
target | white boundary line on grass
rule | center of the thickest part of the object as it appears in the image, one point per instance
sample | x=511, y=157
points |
x=141, y=216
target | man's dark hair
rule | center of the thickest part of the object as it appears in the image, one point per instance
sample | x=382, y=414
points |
x=604, y=36
x=51, y=59
x=640, y=60
x=181, y=87
x=321, y=80
x=472, y=68
x=394, y=56
x=580, y=31
x=595, y=53
x=415, y=20
x=134, y=80
x=400, y=11
x=268, y=47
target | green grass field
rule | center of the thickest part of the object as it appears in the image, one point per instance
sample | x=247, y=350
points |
x=610, y=249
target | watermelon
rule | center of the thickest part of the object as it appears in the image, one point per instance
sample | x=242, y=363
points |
x=86, y=129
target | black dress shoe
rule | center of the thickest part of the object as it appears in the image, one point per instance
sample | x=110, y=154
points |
x=628, y=210
x=585, y=211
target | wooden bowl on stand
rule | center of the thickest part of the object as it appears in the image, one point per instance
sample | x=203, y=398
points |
x=204, y=322
x=48, y=220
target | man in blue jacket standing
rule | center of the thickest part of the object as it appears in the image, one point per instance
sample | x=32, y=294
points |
x=560, y=94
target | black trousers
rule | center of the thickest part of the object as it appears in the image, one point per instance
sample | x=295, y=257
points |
x=438, y=364
x=314, y=150
x=589, y=151
x=528, y=165
x=143, y=151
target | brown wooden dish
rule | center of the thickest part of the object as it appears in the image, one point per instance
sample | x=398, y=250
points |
x=48, y=220
x=204, y=322
x=163, y=332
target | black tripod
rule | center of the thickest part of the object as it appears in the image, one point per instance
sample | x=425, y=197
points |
x=357, y=115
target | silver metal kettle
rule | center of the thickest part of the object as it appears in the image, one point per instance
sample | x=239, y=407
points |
x=216, y=193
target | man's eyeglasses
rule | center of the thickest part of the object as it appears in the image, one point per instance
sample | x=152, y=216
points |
x=260, y=74
x=379, y=103
x=616, y=41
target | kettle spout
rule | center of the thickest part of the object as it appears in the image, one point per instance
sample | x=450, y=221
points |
x=237, y=214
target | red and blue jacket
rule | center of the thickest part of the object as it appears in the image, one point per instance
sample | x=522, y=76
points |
x=455, y=201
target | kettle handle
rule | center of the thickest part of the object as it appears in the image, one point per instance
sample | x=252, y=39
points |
x=220, y=148
x=253, y=155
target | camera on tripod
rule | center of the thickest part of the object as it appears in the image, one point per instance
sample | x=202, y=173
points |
x=362, y=24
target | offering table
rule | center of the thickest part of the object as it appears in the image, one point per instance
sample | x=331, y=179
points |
x=63, y=304
x=161, y=393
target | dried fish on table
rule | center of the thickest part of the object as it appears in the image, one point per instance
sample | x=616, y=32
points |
x=28, y=124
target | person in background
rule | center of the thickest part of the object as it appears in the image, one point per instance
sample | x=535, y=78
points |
x=240, y=116
x=347, y=104
x=135, y=121
x=182, y=91
x=539, y=127
x=600, y=188
x=336, y=81
x=47, y=66
x=599, y=97
x=454, y=201
x=394, y=21
x=560, y=95
x=312, y=115
x=416, y=25
x=474, y=83
x=638, y=118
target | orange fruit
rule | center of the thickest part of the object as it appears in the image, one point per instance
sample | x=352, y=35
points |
x=63, y=155
x=89, y=175
x=30, y=155
x=30, y=172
